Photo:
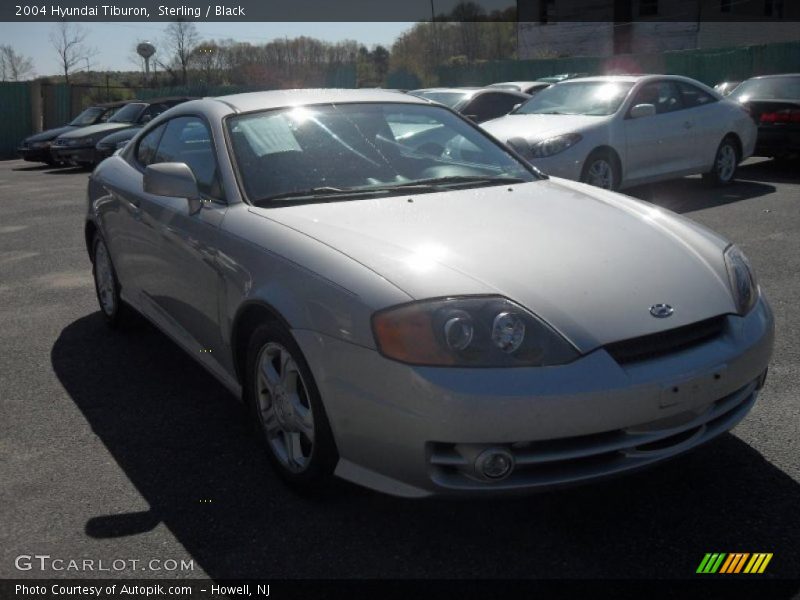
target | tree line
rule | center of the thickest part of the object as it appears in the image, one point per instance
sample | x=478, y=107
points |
x=467, y=35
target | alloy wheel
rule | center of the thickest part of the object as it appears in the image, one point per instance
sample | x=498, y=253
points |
x=284, y=407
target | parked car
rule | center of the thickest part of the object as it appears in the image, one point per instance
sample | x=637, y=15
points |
x=114, y=141
x=561, y=77
x=36, y=147
x=774, y=103
x=618, y=131
x=526, y=87
x=79, y=147
x=421, y=324
x=479, y=104
x=726, y=87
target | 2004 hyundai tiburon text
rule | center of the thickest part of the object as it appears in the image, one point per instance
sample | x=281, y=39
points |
x=420, y=317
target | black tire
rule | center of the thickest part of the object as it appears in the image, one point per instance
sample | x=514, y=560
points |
x=593, y=161
x=115, y=311
x=721, y=172
x=323, y=456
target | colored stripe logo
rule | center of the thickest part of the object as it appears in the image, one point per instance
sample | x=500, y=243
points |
x=734, y=562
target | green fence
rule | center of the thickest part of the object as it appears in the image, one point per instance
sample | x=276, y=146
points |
x=709, y=66
x=15, y=98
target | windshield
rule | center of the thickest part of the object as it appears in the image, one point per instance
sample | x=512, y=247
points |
x=771, y=88
x=451, y=99
x=361, y=149
x=578, y=98
x=128, y=113
x=87, y=117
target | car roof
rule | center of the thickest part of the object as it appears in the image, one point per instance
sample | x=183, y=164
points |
x=776, y=76
x=251, y=101
x=114, y=104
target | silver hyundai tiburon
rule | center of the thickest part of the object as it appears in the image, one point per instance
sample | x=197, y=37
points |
x=402, y=301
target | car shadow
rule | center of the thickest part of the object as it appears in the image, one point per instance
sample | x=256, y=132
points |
x=183, y=441
x=36, y=167
x=753, y=179
x=68, y=170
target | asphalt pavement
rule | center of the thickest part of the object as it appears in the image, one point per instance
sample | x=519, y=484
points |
x=118, y=446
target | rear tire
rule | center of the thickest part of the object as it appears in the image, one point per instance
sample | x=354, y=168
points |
x=286, y=409
x=602, y=170
x=106, y=285
x=726, y=161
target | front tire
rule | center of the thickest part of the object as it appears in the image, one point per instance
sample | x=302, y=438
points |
x=602, y=170
x=286, y=409
x=726, y=161
x=106, y=284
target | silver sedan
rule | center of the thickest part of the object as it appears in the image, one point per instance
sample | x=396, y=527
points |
x=420, y=317
x=620, y=131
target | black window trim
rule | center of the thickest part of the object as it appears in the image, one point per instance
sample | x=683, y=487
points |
x=158, y=122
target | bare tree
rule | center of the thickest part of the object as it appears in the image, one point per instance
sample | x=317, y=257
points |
x=69, y=40
x=181, y=38
x=13, y=66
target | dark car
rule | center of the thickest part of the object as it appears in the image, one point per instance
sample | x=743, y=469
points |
x=79, y=147
x=36, y=147
x=774, y=103
x=113, y=142
x=479, y=104
x=561, y=77
x=726, y=87
x=526, y=87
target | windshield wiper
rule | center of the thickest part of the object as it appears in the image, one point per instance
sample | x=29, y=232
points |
x=435, y=184
x=458, y=179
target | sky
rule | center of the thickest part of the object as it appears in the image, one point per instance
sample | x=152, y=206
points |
x=114, y=42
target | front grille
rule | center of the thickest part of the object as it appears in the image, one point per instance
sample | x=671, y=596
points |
x=666, y=342
x=575, y=459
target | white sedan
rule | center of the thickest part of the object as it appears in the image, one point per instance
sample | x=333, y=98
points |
x=620, y=131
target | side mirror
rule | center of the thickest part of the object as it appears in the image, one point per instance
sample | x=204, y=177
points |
x=171, y=179
x=643, y=110
x=146, y=119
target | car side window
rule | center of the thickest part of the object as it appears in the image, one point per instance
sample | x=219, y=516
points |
x=490, y=106
x=664, y=95
x=146, y=149
x=151, y=112
x=693, y=96
x=188, y=140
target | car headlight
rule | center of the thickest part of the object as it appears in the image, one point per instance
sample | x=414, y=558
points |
x=742, y=279
x=39, y=145
x=122, y=144
x=554, y=145
x=485, y=331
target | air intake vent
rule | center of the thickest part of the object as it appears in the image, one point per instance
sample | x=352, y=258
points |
x=666, y=342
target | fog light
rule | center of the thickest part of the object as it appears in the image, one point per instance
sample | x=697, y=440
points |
x=494, y=463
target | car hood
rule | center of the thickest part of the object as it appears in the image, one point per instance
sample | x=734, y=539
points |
x=50, y=134
x=100, y=128
x=538, y=127
x=589, y=262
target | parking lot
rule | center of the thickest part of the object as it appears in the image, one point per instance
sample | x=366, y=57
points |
x=117, y=445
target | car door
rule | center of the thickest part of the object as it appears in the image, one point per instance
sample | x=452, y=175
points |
x=131, y=239
x=657, y=145
x=710, y=125
x=180, y=288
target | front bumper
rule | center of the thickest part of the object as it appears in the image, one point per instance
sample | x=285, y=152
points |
x=414, y=431
x=82, y=155
x=31, y=154
x=567, y=164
